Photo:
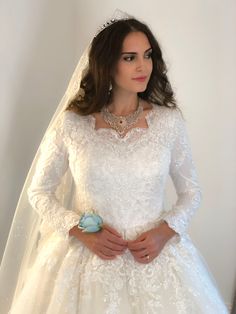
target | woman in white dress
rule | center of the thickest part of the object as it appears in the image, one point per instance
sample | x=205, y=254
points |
x=120, y=137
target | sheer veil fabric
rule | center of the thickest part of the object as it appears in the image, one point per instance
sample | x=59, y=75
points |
x=27, y=229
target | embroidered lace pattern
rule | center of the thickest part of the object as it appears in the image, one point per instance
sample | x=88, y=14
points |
x=124, y=179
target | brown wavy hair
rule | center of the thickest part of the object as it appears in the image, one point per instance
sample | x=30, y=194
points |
x=104, y=54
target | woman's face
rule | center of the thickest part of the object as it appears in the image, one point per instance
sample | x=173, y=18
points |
x=134, y=66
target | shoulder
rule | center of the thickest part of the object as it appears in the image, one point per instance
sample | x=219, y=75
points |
x=67, y=126
x=70, y=117
x=69, y=120
x=171, y=112
x=168, y=116
x=178, y=126
x=168, y=124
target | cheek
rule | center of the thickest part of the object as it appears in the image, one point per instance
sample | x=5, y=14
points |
x=124, y=69
x=123, y=72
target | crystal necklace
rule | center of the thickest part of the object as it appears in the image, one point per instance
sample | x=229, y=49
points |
x=121, y=123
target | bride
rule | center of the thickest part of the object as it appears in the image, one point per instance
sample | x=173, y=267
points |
x=90, y=234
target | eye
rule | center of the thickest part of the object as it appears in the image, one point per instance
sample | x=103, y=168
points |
x=128, y=58
x=148, y=55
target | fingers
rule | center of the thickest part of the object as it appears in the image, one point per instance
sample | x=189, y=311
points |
x=113, y=236
x=137, y=246
x=109, y=242
x=107, y=257
x=109, y=228
x=110, y=251
x=144, y=259
x=116, y=241
x=141, y=253
x=142, y=256
x=104, y=252
x=114, y=247
x=107, y=253
x=139, y=243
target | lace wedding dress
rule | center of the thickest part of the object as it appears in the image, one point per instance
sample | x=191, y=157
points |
x=124, y=180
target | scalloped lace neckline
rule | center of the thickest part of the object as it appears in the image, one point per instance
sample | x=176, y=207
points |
x=148, y=116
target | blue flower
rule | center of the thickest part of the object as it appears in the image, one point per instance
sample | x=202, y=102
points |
x=90, y=222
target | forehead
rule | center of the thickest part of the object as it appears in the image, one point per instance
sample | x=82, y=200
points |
x=135, y=41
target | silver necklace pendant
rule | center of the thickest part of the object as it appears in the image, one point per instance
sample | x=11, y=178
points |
x=121, y=123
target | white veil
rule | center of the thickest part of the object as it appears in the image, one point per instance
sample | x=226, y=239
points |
x=26, y=232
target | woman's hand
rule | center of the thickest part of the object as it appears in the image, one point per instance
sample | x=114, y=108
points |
x=107, y=243
x=150, y=243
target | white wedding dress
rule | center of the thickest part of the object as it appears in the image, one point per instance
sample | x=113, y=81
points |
x=124, y=180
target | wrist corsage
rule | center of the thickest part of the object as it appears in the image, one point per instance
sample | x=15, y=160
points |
x=90, y=222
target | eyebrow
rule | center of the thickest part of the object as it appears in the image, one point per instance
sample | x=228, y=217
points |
x=134, y=53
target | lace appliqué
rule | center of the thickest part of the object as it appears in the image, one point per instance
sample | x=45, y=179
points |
x=124, y=179
x=184, y=177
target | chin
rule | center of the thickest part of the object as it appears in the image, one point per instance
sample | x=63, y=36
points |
x=136, y=89
x=141, y=90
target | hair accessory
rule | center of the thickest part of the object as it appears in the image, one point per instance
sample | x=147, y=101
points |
x=108, y=23
x=117, y=16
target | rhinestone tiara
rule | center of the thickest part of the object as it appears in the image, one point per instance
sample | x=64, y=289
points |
x=116, y=16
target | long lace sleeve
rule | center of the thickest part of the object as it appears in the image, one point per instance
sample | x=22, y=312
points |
x=184, y=177
x=51, y=166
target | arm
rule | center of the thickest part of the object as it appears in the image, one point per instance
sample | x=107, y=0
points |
x=51, y=166
x=184, y=177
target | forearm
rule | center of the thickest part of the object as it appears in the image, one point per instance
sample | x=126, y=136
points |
x=183, y=174
x=52, y=211
x=179, y=217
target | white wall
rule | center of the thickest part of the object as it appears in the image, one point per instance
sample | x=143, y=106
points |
x=37, y=55
x=40, y=49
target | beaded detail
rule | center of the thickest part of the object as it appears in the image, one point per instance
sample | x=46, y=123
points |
x=121, y=123
x=117, y=16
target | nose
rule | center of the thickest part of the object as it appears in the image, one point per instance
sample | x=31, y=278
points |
x=140, y=64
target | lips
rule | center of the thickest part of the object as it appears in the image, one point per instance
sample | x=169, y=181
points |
x=140, y=78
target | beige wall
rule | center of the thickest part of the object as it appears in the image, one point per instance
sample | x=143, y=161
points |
x=41, y=42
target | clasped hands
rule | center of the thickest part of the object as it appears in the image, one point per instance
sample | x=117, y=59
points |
x=108, y=243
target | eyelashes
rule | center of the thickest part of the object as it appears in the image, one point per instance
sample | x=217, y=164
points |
x=128, y=58
x=132, y=57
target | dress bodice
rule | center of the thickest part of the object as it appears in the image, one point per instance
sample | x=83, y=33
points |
x=122, y=178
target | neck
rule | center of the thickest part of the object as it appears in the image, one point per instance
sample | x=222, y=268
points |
x=123, y=103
